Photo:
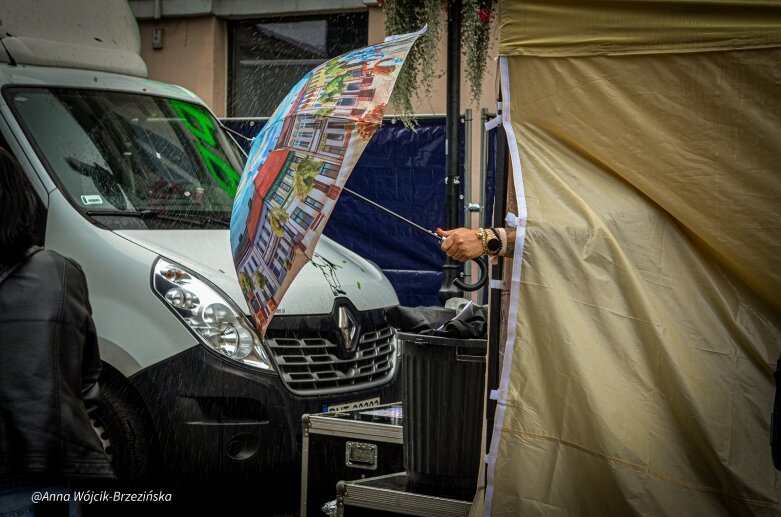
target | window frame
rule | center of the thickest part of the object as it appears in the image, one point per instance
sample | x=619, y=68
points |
x=360, y=29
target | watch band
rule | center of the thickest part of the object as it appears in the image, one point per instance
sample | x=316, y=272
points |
x=483, y=235
x=493, y=244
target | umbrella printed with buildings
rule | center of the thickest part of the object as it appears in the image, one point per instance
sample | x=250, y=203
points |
x=299, y=163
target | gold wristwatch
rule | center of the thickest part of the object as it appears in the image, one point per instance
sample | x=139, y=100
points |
x=492, y=244
x=490, y=241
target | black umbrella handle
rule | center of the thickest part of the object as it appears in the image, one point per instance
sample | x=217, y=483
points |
x=483, y=276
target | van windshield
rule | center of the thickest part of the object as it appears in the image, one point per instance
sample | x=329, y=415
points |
x=125, y=156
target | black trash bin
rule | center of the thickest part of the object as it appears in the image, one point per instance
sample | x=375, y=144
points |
x=442, y=392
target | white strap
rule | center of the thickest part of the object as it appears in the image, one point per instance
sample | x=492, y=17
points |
x=496, y=284
x=493, y=123
x=514, y=221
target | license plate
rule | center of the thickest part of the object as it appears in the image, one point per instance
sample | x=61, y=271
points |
x=349, y=406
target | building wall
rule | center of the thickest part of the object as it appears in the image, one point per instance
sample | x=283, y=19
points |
x=194, y=55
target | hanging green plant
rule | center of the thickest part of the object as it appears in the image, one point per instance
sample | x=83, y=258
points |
x=475, y=39
x=418, y=73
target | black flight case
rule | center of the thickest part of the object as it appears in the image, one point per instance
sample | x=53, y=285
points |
x=348, y=445
x=391, y=496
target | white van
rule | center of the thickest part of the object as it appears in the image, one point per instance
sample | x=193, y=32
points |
x=133, y=178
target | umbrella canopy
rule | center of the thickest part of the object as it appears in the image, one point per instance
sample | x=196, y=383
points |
x=299, y=163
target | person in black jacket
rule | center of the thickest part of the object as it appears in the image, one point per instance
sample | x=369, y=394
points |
x=49, y=361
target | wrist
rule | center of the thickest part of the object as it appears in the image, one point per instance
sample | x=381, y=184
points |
x=502, y=234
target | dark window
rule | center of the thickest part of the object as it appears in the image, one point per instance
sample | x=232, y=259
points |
x=317, y=205
x=330, y=171
x=269, y=56
x=302, y=218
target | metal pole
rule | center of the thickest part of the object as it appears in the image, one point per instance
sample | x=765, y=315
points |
x=481, y=294
x=483, y=160
x=466, y=199
x=452, y=142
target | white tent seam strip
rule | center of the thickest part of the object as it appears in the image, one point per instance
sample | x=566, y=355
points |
x=512, y=316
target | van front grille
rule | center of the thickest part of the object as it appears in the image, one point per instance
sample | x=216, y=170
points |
x=312, y=364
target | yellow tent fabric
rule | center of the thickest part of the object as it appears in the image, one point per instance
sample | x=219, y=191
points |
x=588, y=28
x=638, y=376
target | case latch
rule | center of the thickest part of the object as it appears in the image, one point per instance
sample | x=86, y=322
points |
x=361, y=455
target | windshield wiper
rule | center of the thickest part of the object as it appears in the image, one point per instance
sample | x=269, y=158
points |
x=194, y=219
x=120, y=213
x=210, y=219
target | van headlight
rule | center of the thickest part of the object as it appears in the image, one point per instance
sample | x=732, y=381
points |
x=216, y=321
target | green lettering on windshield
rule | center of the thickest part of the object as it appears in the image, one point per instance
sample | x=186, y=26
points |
x=228, y=180
x=195, y=120
x=200, y=124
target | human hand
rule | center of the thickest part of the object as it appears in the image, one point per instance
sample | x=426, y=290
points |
x=461, y=243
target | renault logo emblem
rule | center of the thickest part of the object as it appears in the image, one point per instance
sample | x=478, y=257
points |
x=349, y=329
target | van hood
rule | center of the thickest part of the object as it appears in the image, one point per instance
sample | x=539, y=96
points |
x=207, y=253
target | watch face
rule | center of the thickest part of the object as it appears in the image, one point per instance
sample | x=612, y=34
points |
x=493, y=245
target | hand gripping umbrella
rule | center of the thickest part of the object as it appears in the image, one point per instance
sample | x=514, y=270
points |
x=299, y=163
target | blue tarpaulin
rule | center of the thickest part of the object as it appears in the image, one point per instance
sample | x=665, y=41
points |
x=404, y=171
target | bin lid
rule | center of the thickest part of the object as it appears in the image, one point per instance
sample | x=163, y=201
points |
x=429, y=339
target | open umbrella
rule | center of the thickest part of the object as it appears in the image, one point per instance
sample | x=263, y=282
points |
x=298, y=165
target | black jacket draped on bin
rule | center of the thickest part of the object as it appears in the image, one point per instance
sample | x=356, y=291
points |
x=49, y=366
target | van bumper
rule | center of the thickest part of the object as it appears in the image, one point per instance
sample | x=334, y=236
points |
x=219, y=421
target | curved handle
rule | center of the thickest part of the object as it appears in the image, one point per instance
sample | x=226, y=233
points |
x=483, y=267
